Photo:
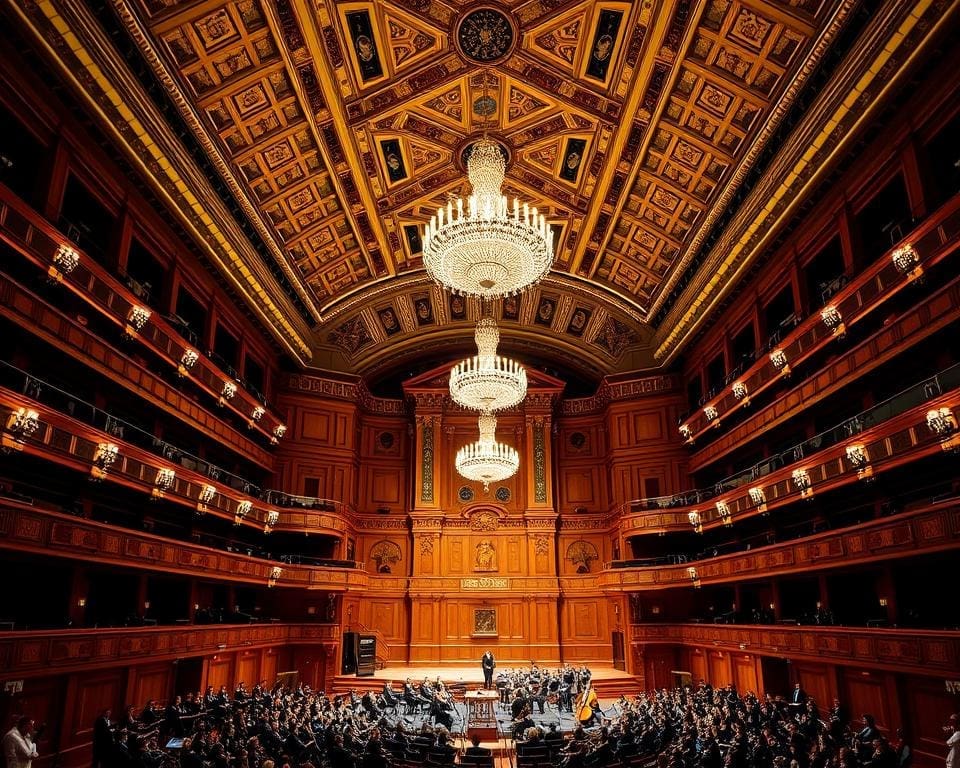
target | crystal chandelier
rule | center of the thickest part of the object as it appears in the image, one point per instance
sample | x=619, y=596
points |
x=477, y=246
x=487, y=461
x=487, y=382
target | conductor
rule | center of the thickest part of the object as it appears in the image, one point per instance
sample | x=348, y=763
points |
x=487, y=663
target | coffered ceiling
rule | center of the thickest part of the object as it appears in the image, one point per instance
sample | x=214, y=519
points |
x=341, y=126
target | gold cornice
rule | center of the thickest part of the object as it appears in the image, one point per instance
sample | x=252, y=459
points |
x=135, y=28
x=139, y=122
x=744, y=240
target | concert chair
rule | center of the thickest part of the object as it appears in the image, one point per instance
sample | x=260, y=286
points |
x=469, y=761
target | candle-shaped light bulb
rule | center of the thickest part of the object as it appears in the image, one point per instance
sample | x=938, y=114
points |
x=516, y=210
x=459, y=207
x=449, y=211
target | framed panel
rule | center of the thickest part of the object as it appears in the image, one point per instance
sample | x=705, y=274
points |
x=484, y=622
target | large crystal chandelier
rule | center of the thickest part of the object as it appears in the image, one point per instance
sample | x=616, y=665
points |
x=477, y=246
x=487, y=382
x=487, y=461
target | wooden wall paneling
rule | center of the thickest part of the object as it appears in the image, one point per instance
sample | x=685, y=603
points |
x=698, y=665
x=871, y=693
x=927, y=706
x=88, y=695
x=745, y=673
x=818, y=680
x=220, y=670
x=248, y=669
x=152, y=681
x=718, y=664
x=43, y=700
x=269, y=665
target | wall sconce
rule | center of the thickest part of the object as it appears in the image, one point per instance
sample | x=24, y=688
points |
x=694, y=518
x=256, y=414
x=275, y=573
x=207, y=494
x=187, y=360
x=228, y=391
x=82, y=602
x=711, y=415
x=773, y=606
x=163, y=482
x=692, y=573
x=146, y=605
x=802, y=482
x=272, y=517
x=685, y=432
x=740, y=393
x=723, y=509
x=104, y=458
x=655, y=609
x=943, y=424
x=907, y=260
x=859, y=460
x=831, y=318
x=278, y=432
x=136, y=318
x=779, y=359
x=22, y=424
x=759, y=498
x=243, y=509
x=65, y=260
x=883, y=602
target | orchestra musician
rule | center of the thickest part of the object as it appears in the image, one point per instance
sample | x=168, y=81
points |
x=520, y=711
x=487, y=664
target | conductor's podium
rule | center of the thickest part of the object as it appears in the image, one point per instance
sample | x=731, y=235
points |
x=481, y=714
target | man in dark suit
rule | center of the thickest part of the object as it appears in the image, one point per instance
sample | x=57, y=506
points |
x=103, y=742
x=487, y=663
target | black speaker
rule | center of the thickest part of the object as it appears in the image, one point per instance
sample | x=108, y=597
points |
x=348, y=653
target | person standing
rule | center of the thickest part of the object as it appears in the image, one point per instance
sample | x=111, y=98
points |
x=488, y=664
x=18, y=747
x=953, y=742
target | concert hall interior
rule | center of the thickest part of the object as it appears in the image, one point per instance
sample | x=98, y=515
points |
x=343, y=341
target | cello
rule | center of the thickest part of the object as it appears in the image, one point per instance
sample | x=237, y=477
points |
x=586, y=702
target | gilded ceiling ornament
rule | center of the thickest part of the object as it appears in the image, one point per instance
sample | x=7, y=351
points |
x=485, y=35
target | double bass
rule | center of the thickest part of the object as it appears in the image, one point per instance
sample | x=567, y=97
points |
x=586, y=702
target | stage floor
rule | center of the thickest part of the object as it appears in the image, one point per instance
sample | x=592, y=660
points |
x=470, y=675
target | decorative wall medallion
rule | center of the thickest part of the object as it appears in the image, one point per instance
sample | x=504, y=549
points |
x=424, y=310
x=351, y=336
x=545, y=310
x=485, y=621
x=578, y=442
x=485, y=35
x=386, y=442
x=458, y=307
x=465, y=493
x=414, y=241
x=385, y=554
x=503, y=494
x=581, y=553
x=511, y=307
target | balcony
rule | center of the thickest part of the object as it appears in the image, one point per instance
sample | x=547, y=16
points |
x=932, y=242
x=901, y=650
x=29, y=234
x=931, y=527
x=66, y=650
x=892, y=433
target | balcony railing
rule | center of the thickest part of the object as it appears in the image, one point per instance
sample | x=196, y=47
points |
x=892, y=432
x=60, y=651
x=35, y=429
x=932, y=242
x=927, y=652
x=29, y=234
x=931, y=527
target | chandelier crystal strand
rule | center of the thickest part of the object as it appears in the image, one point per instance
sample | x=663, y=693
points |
x=476, y=246
x=488, y=382
x=487, y=461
